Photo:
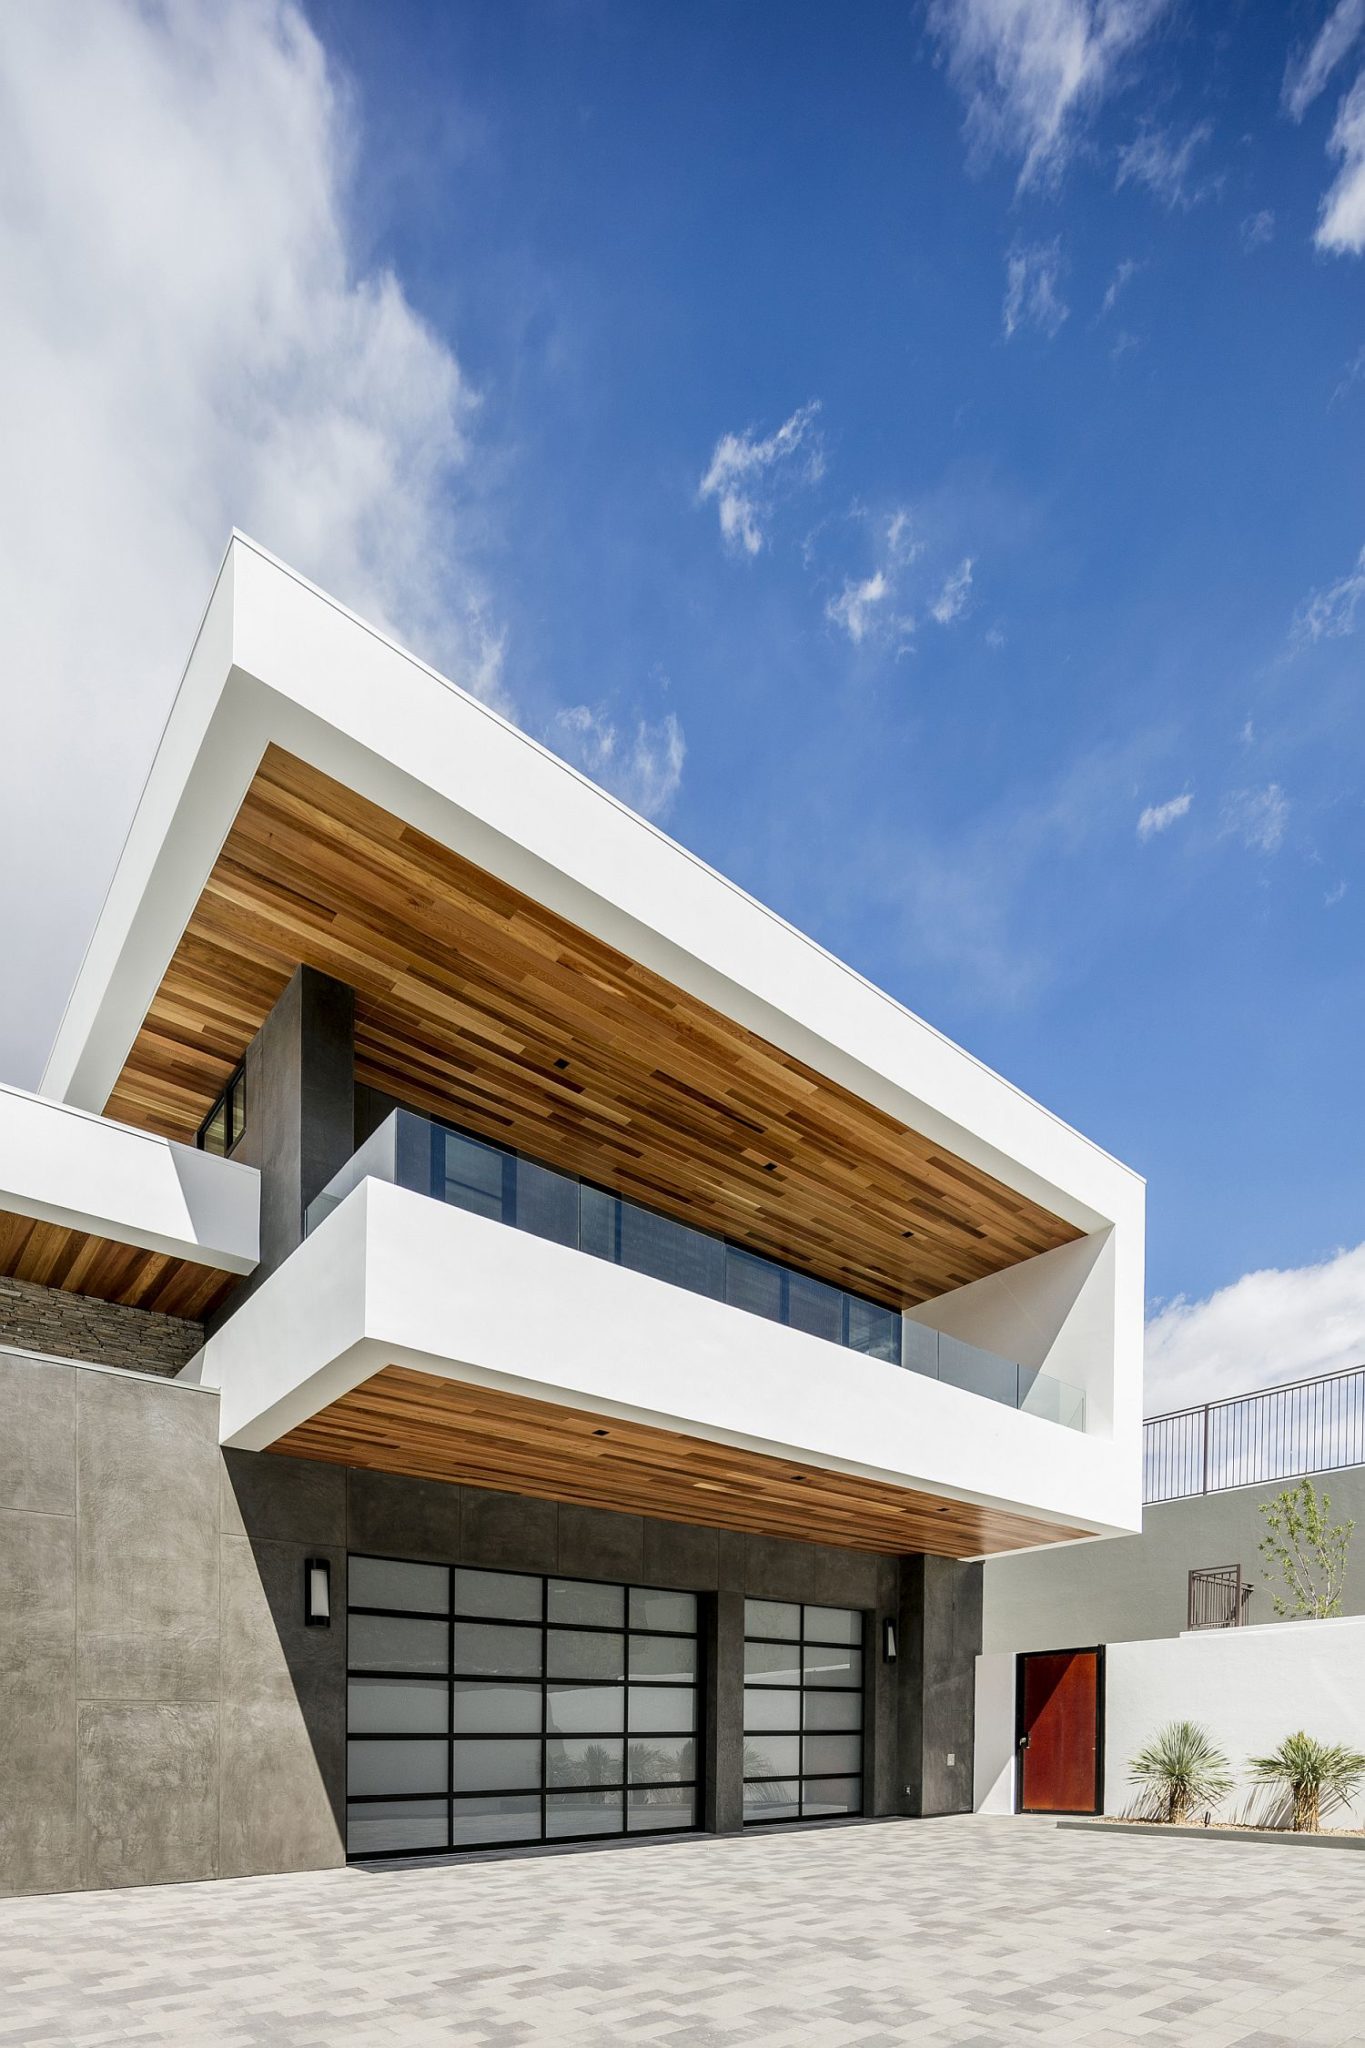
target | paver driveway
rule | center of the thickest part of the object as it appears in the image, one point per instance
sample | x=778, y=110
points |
x=967, y=1932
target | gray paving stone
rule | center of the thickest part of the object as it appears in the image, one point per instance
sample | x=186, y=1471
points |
x=966, y=1933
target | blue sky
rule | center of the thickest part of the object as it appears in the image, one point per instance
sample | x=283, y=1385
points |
x=647, y=228
x=915, y=453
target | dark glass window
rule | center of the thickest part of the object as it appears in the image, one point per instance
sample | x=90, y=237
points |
x=226, y=1121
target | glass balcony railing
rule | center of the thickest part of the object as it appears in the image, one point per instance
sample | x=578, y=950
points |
x=486, y=1180
x=958, y=1364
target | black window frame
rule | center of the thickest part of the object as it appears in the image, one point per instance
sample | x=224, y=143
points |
x=231, y=1100
x=797, y=1644
x=543, y=1625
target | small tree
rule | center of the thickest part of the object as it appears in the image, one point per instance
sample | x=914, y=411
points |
x=1182, y=1770
x=1305, y=1549
x=1317, y=1776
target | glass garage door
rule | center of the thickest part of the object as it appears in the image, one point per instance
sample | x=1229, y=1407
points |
x=496, y=1707
x=803, y=1711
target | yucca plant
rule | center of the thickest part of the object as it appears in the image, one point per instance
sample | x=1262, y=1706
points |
x=1317, y=1776
x=1182, y=1770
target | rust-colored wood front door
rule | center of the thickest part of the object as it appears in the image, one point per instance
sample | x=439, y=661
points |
x=1060, y=1693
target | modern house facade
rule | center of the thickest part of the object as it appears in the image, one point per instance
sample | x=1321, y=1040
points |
x=502, y=1339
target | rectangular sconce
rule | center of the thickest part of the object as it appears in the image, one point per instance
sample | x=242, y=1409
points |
x=888, y=1642
x=317, y=1592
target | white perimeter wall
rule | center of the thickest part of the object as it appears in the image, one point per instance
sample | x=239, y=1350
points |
x=1248, y=1687
x=993, y=1779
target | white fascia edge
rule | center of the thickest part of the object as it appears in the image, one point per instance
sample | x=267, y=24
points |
x=277, y=660
x=393, y=1278
x=67, y=1166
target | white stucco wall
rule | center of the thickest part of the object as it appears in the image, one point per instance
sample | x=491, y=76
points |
x=1248, y=1687
x=993, y=1775
x=84, y=1172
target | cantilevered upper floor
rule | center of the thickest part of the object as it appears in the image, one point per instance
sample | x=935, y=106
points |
x=716, y=1223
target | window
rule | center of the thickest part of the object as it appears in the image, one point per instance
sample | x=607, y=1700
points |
x=226, y=1121
x=489, y=1707
x=803, y=1711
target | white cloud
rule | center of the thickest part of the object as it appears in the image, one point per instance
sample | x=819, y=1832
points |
x=1334, y=895
x=1266, y=1329
x=190, y=338
x=744, y=473
x=1258, y=229
x=858, y=604
x=1121, y=277
x=1033, y=71
x=643, y=767
x=951, y=601
x=1258, y=817
x=1305, y=79
x=867, y=607
x=1331, y=614
x=1162, y=162
x=1350, y=376
x=1160, y=817
x=1032, y=298
x=1341, y=223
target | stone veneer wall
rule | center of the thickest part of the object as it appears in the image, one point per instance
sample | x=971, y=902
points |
x=78, y=1326
x=166, y=1714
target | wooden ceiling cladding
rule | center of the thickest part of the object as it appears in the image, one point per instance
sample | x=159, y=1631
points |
x=427, y=1427
x=476, y=1004
x=50, y=1255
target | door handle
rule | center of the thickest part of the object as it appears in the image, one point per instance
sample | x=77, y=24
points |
x=1023, y=1742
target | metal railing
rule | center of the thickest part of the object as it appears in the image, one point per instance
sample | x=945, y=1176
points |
x=1217, y=1597
x=411, y=1151
x=1253, y=1439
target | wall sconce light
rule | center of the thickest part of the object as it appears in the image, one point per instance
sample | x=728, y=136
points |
x=888, y=1642
x=317, y=1592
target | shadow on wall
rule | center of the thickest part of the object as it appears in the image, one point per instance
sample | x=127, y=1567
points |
x=284, y=1683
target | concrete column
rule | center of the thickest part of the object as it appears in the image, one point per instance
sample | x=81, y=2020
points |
x=724, y=1649
x=940, y=1631
x=300, y=1109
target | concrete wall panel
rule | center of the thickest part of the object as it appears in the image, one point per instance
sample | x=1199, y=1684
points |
x=148, y=1473
x=148, y=1791
x=678, y=1555
x=1130, y=1588
x=37, y=1438
x=409, y=1517
x=288, y=1499
x=503, y=1530
x=37, y=1700
x=594, y=1544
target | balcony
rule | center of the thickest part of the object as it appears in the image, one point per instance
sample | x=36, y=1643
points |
x=410, y=1151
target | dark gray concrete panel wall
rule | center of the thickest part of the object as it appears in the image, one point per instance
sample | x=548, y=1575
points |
x=78, y=1326
x=1127, y=1589
x=300, y=1110
x=940, y=1631
x=165, y=1713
